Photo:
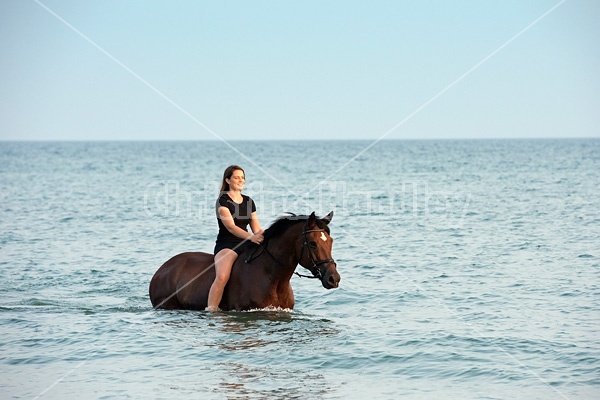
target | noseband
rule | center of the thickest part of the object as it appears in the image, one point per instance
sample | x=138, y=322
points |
x=314, y=268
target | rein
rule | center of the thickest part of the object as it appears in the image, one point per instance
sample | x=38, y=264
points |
x=253, y=257
x=314, y=269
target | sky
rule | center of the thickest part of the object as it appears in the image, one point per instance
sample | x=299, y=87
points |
x=268, y=70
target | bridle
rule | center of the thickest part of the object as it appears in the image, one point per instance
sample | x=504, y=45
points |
x=314, y=268
x=315, y=264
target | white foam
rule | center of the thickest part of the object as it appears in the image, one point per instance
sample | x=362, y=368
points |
x=270, y=309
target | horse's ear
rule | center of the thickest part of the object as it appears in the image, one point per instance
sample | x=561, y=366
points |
x=312, y=218
x=327, y=218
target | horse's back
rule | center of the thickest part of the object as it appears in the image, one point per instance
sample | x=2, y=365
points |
x=181, y=274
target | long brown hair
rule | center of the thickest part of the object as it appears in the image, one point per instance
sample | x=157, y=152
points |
x=227, y=175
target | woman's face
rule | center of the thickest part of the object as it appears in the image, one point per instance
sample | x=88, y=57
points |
x=237, y=180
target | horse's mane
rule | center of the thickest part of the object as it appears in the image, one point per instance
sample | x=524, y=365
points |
x=283, y=223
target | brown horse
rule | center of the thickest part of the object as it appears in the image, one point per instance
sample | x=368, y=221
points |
x=261, y=275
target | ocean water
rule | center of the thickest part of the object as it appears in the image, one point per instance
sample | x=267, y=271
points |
x=470, y=270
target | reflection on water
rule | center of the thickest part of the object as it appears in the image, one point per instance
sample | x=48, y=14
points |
x=258, y=354
x=264, y=328
x=250, y=381
x=273, y=346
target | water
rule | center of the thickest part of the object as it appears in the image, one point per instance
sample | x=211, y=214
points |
x=470, y=269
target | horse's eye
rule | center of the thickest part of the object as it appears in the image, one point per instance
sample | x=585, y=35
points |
x=313, y=245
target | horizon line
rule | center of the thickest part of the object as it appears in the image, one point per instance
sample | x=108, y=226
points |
x=294, y=140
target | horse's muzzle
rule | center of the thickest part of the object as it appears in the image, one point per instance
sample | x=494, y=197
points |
x=331, y=278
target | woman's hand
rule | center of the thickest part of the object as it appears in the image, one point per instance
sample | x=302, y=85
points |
x=257, y=237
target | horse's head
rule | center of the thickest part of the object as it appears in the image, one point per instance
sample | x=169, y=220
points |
x=315, y=254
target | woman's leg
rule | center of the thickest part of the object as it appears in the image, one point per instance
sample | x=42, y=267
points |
x=224, y=260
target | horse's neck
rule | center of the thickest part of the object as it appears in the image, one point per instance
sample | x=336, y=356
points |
x=283, y=258
x=280, y=272
x=284, y=247
x=267, y=280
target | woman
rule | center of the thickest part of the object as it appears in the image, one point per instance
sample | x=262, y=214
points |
x=234, y=212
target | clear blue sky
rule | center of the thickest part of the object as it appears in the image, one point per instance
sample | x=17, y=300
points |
x=302, y=69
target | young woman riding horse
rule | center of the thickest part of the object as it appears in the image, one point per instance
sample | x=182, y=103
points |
x=234, y=212
x=260, y=276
